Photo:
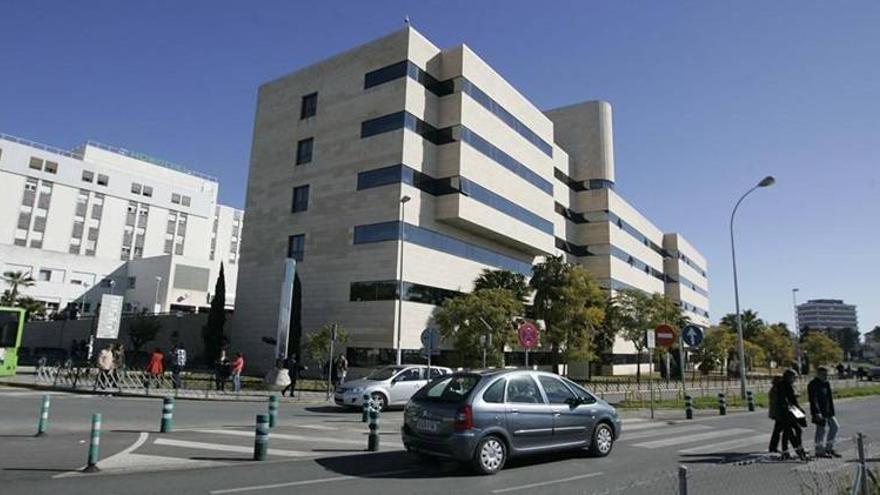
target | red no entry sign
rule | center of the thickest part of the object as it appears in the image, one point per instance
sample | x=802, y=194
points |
x=664, y=335
x=528, y=335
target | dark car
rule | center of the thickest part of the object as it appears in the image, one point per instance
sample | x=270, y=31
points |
x=485, y=417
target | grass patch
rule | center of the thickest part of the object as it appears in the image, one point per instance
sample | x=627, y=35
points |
x=734, y=401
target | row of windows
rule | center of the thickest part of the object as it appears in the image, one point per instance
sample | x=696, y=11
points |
x=450, y=185
x=687, y=283
x=141, y=189
x=582, y=185
x=403, y=119
x=45, y=166
x=635, y=262
x=386, y=290
x=443, y=88
x=488, y=149
x=572, y=248
x=689, y=262
x=180, y=199
x=629, y=229
x=388, y=231
x=89, y=176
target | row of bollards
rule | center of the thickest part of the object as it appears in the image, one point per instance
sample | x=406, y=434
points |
x=166, y=425
x=722, y=404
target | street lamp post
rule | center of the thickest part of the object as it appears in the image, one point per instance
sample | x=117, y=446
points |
x=765, y=182
x=403, y=202
x=797, y=330
x=156, y=299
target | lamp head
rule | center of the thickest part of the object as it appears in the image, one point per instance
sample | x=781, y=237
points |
x=405, y=199
x=767, y=181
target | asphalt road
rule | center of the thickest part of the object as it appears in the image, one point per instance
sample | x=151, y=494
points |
x=320, y=449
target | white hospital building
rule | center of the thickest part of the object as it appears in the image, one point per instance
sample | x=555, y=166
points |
x=99, y=219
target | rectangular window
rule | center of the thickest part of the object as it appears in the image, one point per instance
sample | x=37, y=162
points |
x=20, y=242
x=185, y=200
x=93, y=234
x=136, y=188
x=296, y=246
x=385, y=123
x=24, y=220
x=132, y=282
x=103, y=180
x=169, y=244
x=178, y=249
x=44, y=275
x=175, y=198
x=36, y=163
x=88, y=176
x=148, y=191
x=304, y=151
x=125, y=254
x=97, y=211
x=36, y=244
x=51, y=167
x=300, y=199
x=309, y=106
x=39, y=224
x=73, y=249
x=77, y=230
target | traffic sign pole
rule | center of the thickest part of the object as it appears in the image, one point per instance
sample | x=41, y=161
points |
x=681, y=357
x=651, y=340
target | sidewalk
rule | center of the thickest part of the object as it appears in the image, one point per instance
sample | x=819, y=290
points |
x=302, y=396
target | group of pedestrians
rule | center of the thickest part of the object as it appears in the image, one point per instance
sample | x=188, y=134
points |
x=224, y=369
x=156, y=366
x=790, y=418
x=111, y=361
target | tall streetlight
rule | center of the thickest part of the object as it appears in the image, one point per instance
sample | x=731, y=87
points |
x=156, y=306
x=403, y=202
x=797, y=329
x=765, y=182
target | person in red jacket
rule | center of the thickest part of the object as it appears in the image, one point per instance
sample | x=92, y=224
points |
x=237, y=366
x=156, y=367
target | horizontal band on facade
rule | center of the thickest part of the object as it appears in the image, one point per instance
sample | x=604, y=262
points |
x=452, y=185
x=687, y=261
x=387, y=290
x=614, y=284
x=446, y=135
x=582, y=185
x=407, y=68
x=391, y=231
x=679, y=279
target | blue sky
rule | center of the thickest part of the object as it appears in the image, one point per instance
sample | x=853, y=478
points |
x=708, y=97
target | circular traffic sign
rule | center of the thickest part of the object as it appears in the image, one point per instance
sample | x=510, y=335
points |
x=664, y=335
x=528, y=335
x=431, y=339
x=692, y=335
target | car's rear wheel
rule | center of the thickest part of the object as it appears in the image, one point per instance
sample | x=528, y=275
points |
x=380, y=402
x=490, y=455
x=602, y=441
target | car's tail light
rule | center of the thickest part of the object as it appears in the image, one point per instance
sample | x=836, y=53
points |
x=464, y=418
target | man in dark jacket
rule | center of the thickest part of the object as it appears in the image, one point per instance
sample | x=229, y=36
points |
x=822, y=411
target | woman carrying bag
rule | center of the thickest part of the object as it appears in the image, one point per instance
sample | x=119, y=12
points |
x=794, y=417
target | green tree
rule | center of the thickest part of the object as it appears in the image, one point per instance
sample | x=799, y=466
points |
x=33, y=307
x=635, y=314
x=753, y=354
x=143, y=329
x=718, y=343
x=751, y=324
x=212, y=332
x=461, y=320
x=504, y=279
x=318, y=343
x=777, y=343
x=15, y=280
x=572, y=306
x=821, y=349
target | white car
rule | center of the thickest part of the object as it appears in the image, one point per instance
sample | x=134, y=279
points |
x=387, y=387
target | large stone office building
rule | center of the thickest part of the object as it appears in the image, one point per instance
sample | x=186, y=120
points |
x=492, y=183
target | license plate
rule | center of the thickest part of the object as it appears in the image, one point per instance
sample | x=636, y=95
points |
x=427, y=425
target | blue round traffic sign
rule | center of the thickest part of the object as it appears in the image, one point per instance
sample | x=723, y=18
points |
x=692, y=335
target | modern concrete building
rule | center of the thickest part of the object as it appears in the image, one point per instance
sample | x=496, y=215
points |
x=401, y=162
x=101, y=219
x=827, y=314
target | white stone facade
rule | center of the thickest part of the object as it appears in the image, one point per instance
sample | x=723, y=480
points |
x=77, y=220
x=493, y=182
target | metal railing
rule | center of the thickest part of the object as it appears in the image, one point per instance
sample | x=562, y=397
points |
x=41, y=146
x=143, y=157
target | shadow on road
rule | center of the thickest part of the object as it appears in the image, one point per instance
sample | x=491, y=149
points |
x=376, y=465
x=332, y=409
x=728, y=458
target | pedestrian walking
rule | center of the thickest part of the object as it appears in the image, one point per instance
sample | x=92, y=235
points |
x=155, y=368
x=221, y=371
x=178, y=362
x=341, y=369
x=105, y=368
x=237, y=367
x=118, y=364
x=793, y=415
x=822, y=413
x=775, y=412
x=293, y=369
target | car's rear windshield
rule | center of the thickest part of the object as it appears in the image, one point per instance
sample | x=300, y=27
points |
x=383, y=374
x=454, y=388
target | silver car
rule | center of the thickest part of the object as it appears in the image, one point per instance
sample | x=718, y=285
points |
x=388, y=386
x=484, y=417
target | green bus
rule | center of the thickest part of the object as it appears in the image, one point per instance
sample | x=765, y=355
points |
x=11, y=327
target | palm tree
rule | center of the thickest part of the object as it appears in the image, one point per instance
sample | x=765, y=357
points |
x=15, y=280
x=504, y=279
x=33, y=308
x=752, y=325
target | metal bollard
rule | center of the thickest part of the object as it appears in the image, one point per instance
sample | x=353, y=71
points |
x=688, y=407
x=373, y=438
x=750, y=398
x=261, y=437
x=722, y=405
x=43, y=423
x=273, y=410
x=94, y=444
x=367, y=406
x=167, y=415
x=682, y=480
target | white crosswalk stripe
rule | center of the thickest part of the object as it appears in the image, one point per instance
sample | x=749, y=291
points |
x=730, y=444
x=300, y=438
x=639, y=426
x=682, y=439
x=660, y=431
x=226, y=448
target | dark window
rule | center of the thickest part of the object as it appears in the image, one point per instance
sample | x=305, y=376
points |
x=410, y=375
x=496, y=154
x=103, y=180
x=495, y=393
x=379, y=177
x=309, y=106
x=373, y=291
x=300, y=199
x=523, y=390
x=296, y=246
x=555, y=390
x=377, y=232
x=148, y=191
x=385, y=74
x=88, y=176
x=304, y=151
x=36, y=163
x=51, y=167
x=385, y=123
